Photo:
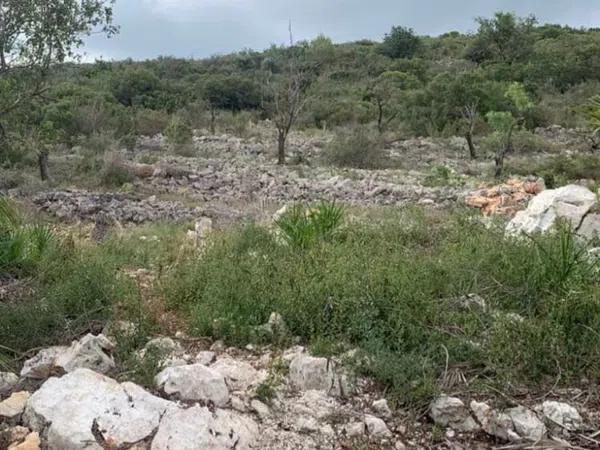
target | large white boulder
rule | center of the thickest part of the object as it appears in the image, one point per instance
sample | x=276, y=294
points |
x=84, y=410
x=571, y=203
x=90, y=352
x=194, y=382
x=198, y=428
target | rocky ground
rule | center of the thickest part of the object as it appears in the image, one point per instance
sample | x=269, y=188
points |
x=212, y=397
x=206, y=396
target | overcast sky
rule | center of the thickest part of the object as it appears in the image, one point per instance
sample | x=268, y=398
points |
x=200, y=28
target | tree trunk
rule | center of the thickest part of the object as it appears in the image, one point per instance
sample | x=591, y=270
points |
x=380, y=118
x=281, y=137
x=499, y=160
x=469, y=138
x=213, y=118
x=43, y=163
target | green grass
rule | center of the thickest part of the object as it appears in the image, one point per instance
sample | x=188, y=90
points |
x=386, y=282
x=74, y=287
x=388, y=289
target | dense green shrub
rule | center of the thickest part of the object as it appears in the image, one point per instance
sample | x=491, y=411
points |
x=394, y=290
x=150, y=123
x=560, y=169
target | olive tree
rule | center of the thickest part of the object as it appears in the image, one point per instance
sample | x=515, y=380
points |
x=35, y=35
x=386, y=94
x=505, y=122
x=400, y=42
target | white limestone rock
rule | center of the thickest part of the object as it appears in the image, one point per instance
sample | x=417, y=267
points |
x=563, y=415
x=67, y=409
x=527, y=424
x=8, y=381
x=239, y=375
x=194, y=382
x=451, y=412
x=571, y=203
x=198, y=428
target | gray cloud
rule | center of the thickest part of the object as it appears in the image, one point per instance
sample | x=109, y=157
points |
x=199, y=28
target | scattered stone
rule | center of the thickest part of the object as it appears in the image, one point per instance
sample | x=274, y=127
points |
x=563, y=415
x=91, y=352
x=354, y=429
x=31, y=442
x=194, y=383
x=275, y=328
x=205, y=358
x=164, y=346
x=76, y=410
x=399, y=445
x=8, y=381
x=260, y=408
x=217, y=347
x=42, y=365
x=377, y=427
x=14, y=435
x=198, y=428
x=381, y=408
x=505, y=199
x=239, y=375
x=494, y=423
x=12, y=408
x=309, y=373
x=571, y=203
x=452, y=412
x=119, y=329
x=590, y=227
x=527, y=424
x=290, y=354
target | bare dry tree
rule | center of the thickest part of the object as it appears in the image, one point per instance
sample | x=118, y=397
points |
x=285, y=97
x=470, y=113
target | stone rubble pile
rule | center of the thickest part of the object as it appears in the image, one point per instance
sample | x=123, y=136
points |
x=505, y=199
x=81, y=205
x=516, y=424
x=210, y=400
x=213, y=400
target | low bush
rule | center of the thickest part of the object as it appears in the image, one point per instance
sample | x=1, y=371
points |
x=560, y=170
x=149, y=122
x=115, y=173
x=357, y=148
x=397, y=290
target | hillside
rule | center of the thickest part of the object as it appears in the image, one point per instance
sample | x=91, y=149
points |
x=368, y=245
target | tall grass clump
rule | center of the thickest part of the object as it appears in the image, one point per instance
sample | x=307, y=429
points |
x=397, y=291
x=22, y=246
x=302, y=226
